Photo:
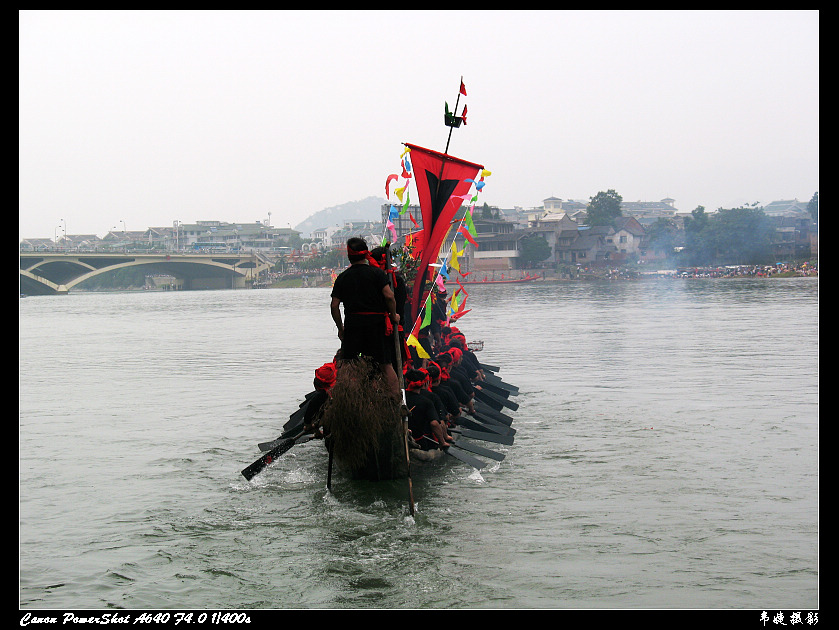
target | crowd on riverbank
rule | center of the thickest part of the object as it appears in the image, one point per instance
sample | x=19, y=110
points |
x=782, y=270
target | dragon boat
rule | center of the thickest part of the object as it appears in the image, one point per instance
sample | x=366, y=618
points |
x=365, y=428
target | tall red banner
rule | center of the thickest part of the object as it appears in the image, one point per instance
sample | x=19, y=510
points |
x=440, y=181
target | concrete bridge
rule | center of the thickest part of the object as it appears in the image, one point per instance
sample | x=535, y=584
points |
x=55, y=273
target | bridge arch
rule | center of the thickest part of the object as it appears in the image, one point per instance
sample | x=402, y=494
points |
x=57, y=273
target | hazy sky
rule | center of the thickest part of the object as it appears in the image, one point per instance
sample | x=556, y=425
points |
x=138, y=119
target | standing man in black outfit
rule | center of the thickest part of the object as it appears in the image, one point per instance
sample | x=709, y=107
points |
x=370, y=317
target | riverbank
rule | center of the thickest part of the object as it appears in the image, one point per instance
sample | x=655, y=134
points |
x=587, y=274
x=780, y=270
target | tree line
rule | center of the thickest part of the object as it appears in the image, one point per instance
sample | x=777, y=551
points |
x=743, y=235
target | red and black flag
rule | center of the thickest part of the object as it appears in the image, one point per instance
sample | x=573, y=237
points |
x=441, y=182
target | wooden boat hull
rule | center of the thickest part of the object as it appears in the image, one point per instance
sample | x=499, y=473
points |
x=388, y=461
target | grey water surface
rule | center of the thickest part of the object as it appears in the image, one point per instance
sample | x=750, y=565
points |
x=666, y=456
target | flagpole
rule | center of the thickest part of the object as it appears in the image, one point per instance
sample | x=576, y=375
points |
x=446, y=152
x=444, y=158
x=451, y=127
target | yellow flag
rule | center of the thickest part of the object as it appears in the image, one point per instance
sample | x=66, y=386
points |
x=413, y=341
x=453, y=305
x=455, y=263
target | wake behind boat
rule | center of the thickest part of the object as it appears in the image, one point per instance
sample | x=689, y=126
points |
x=451, y=404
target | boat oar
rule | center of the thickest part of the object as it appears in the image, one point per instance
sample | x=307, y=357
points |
x=465, y=457
x=480, y=450
x=485, y=410
x=257, y=467
x=487, y=366
x=474, y=423
x=500, y=426
x=297, y=416
x=484, y=435
x=492, y=425
x=291, y=430
x=290, y=433
x=292, y=426
x=486, y=385
x=494, y=400
x=497, y=388
x=397, y=345
x=489, y=377
x=329, y=468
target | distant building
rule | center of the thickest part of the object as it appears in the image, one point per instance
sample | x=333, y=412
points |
x=37, y=245
x=370, y=231
x=649, y=211
x=323, y=236
x=787, y=208
x=223, y=236
x=403, y=222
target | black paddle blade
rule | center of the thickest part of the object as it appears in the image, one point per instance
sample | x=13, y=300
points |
x=492, y=379
x=465, y=457
x=480, y=450
x=494, y=400
x=485, y=436
x=497, y=388
x=488, y=412
x=477, y=424
x=291, y=432
x=259, y=465
x=488, y=423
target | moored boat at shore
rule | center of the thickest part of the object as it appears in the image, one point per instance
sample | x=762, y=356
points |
x=502, y=280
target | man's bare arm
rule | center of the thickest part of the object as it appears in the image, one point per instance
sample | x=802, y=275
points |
x=390, y=302
x=335, y=309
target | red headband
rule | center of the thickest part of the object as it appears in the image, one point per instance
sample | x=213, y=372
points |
x=413, y=385
x=325, y=375
x=363, y=252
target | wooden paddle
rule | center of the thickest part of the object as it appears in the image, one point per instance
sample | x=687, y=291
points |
x=484, y=435
x=495, y=388
x=297, y=416
x=487, y=423
x=259, y=465
x=480, y=450
x=491, y=378
x=474, y=423
x=494, y=400
x=465, y=457
x=485, y=410
x=397, y=346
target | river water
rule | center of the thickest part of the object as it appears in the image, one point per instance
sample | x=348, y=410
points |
x=667, y=456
